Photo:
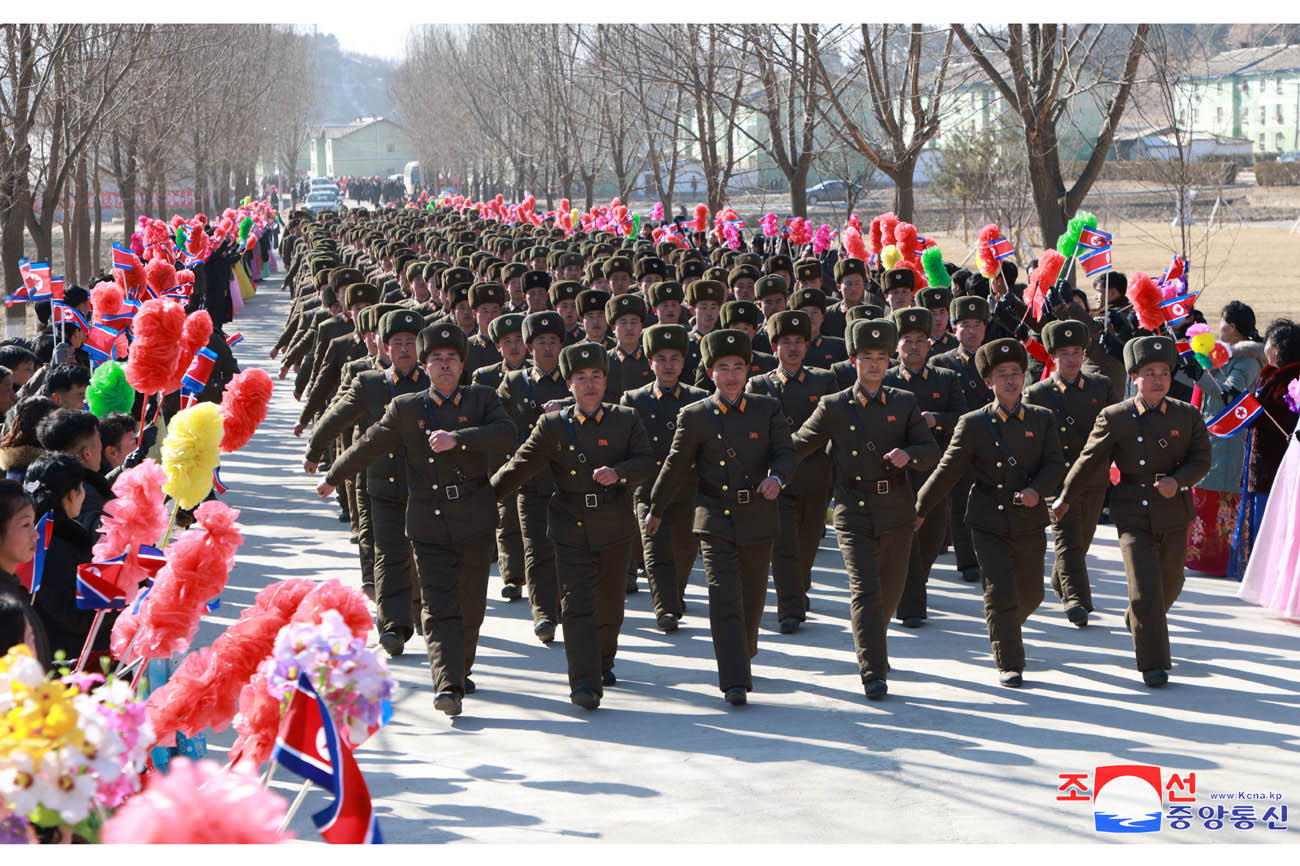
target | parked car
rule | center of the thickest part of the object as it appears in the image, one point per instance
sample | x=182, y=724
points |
x=317, y=182
x=831, y=190
x=322, y=200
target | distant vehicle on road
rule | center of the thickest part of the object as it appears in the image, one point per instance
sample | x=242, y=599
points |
x=411, y=177
x=322, y=200
x=1290, y=156
x=318, y=182
x=831, y=190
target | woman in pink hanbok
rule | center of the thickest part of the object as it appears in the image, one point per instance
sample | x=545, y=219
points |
x=1272, y=577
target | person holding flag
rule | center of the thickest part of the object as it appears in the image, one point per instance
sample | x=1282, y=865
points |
x=1161, y=448
x=18, y=546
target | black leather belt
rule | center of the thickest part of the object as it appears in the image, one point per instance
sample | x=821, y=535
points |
x=741, y=497
x=452, y=492
x=1140, y=478
x=591, y=500
x=877, y=485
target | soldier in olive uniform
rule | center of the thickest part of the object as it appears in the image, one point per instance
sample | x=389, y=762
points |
x=591, y=312
x=383, y=493
x=845, y=372
x=808, y=274
x=564, y=300
x=527, y=395
x=629, y=368
x=805, y=496
x=670, y=552
x=506, y=333
x=1014, y=453
x=1075, y=398
x=851, y=282
x=939, y=395
x=1162, y=449
x=486, y=300
x=665, y=299
x=537, y=291
x=876, y=433
x=900, y=289
x=345, y=347
x=746, y=317
x=449, y=435
x=823, y=352
x=740, y=445
x=971, y=315
x=938, y=300
x=595, y=452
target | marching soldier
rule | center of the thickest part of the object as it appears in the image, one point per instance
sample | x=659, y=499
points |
x=939, y=396
x=537, y=287
x=938, y=299
x=449, y=435
x=822, y=352
x=486, y=300
x=670, y=552
x=1075, y=398
x=844, y=371
x=805, y=496
x=506, y=333
x=1014, y=453
x=1161, y=448
x=527, y=395
x=875, y=432
x=629, y=368
x=594, y=451
x=970, y=315
x=851, y=281
x=740, y=444
x=591, y=312
x=900, y=288
x=564, y=300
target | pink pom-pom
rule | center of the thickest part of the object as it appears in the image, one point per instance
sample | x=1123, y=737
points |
x=1145, y=297
x=888, y=223
x=199, y=803
x=134, y=517
x=657, y=212
x=701, y=217
x=158, y=328
x=855, y=223
x=854, y=245
x=137, y=243
x=1198, y=328
x=877, y=240
x=769, y=223
x=194, y=336
x=905, y=240
x=106, y=299
x=257, y=723
x=988, y=261
x=333, y=595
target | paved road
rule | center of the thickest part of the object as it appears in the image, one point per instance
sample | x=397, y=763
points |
x=948, y=756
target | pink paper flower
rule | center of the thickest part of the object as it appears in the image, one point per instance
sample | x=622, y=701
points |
x=1293, y=395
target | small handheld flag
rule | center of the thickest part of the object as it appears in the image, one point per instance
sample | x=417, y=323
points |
x=62, y=314
x=1236, y=416
x=200, y=370
x=1177, y=309
x=1001, y=248
x=1094, y=239
x=31, y=572
x=96, y=589
x=1175, y=270
x=1096, y=262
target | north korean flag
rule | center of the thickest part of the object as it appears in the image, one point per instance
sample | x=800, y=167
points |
x=96, y=585
x=309, y=744
x=56, y=288
x=1094, y=239
x=122, y=258
x=1177, y=309
x=18, y=296
x=1236, y=416
x=1002, y=249
x=62, y=314
x=30, y=573
x=100, y=340
x=151, y=559
x=1096, y=262
x=1175, y=270
x=200, y=370
x=38, y=282
x=234, y=339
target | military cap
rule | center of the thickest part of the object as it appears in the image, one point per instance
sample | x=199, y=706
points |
x=534, y=279
x=329, y=297
x=740, y=272
x=754, y=260
x=847, y=267
x=778, y=263
x=405, y=321
x=414, y=269
x=545, y=322
x=808, y=298
x=365, y=320
x=1148, y=350
x=341, y=277
x=443, y=335
x=486, y=293
x=873, y=335
x=1062, y=334
x=568, y=259
x=723, y=343
x=658, y=337
x=772, y=284
x=651, y=266
x=706, y=290
x=864, y=311
x=583, y=356
x=459, y=292
x=969, y=307
x=432, y=269
x=506, y=323
x=618, y=263
x=900, y=278
x=934, y=297
x=1001, y=351
x=511, y=270
x=690, y=268
x=788, y=322
x=592, y=301
x=360, y=293
x=564, y=290
x=807, y=270
x=665, y=290
x=624, y=305
x=455, y=276
x=736, y=312
x=913, y=319
x=718, y=275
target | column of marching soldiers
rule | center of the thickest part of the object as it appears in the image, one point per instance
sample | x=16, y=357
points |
x=580, y=408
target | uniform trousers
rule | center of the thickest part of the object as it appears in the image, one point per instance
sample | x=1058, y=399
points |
x=593, y=584
x=1072, y=536
x=737, y=580
x=396, y=588
x=1012, y=570
x=963, y=546
x=510, y=542
x=877, y=567
x=669, y=554
x=803, y=523
x=1154, y=564
x=539, y=556
x=366, y=540
x=453, y=586
x=927, y=543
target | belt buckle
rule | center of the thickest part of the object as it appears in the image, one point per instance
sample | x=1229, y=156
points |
x=1011, y=461
x=882, y=486
x=731, y=452
x=1069, y=419
x=591, y=500
x=742, y=496
x=452, y=492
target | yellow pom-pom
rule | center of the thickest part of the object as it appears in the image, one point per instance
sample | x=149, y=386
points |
x=1203, y=343
x=575, y=217
x=191, y=452
x=890, y=256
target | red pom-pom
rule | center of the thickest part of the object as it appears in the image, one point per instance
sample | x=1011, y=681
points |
x=1041, y=280
x=988, y=261
x=701, y=217
x=854, y=245
x=258, y=723
x=158, y=328
x=877, y=241
x=333, y=595
x=1145, y=297
x=888, y=223
x=905, y=240
x=243, y=407
x=194, y=336
x=160, y=274
x=106, y=299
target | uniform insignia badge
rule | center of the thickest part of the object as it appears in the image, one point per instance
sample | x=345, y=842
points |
x=1029, y=434
x=753, y=435
x=602, y=442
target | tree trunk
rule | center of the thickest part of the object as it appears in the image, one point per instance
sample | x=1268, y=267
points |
x=589, y=188
x=1047, y=183
x=97, y=237
x=904, y=190
x=68, y=228
x=81, y=222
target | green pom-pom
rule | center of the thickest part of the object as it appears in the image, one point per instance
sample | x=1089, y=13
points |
x=109, y=390
x=935, y=273
x=1066, y=245
x=245, y=226
x=1089, y=220
x=179, y=238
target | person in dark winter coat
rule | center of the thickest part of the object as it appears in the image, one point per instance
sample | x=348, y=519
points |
x=18, y=545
